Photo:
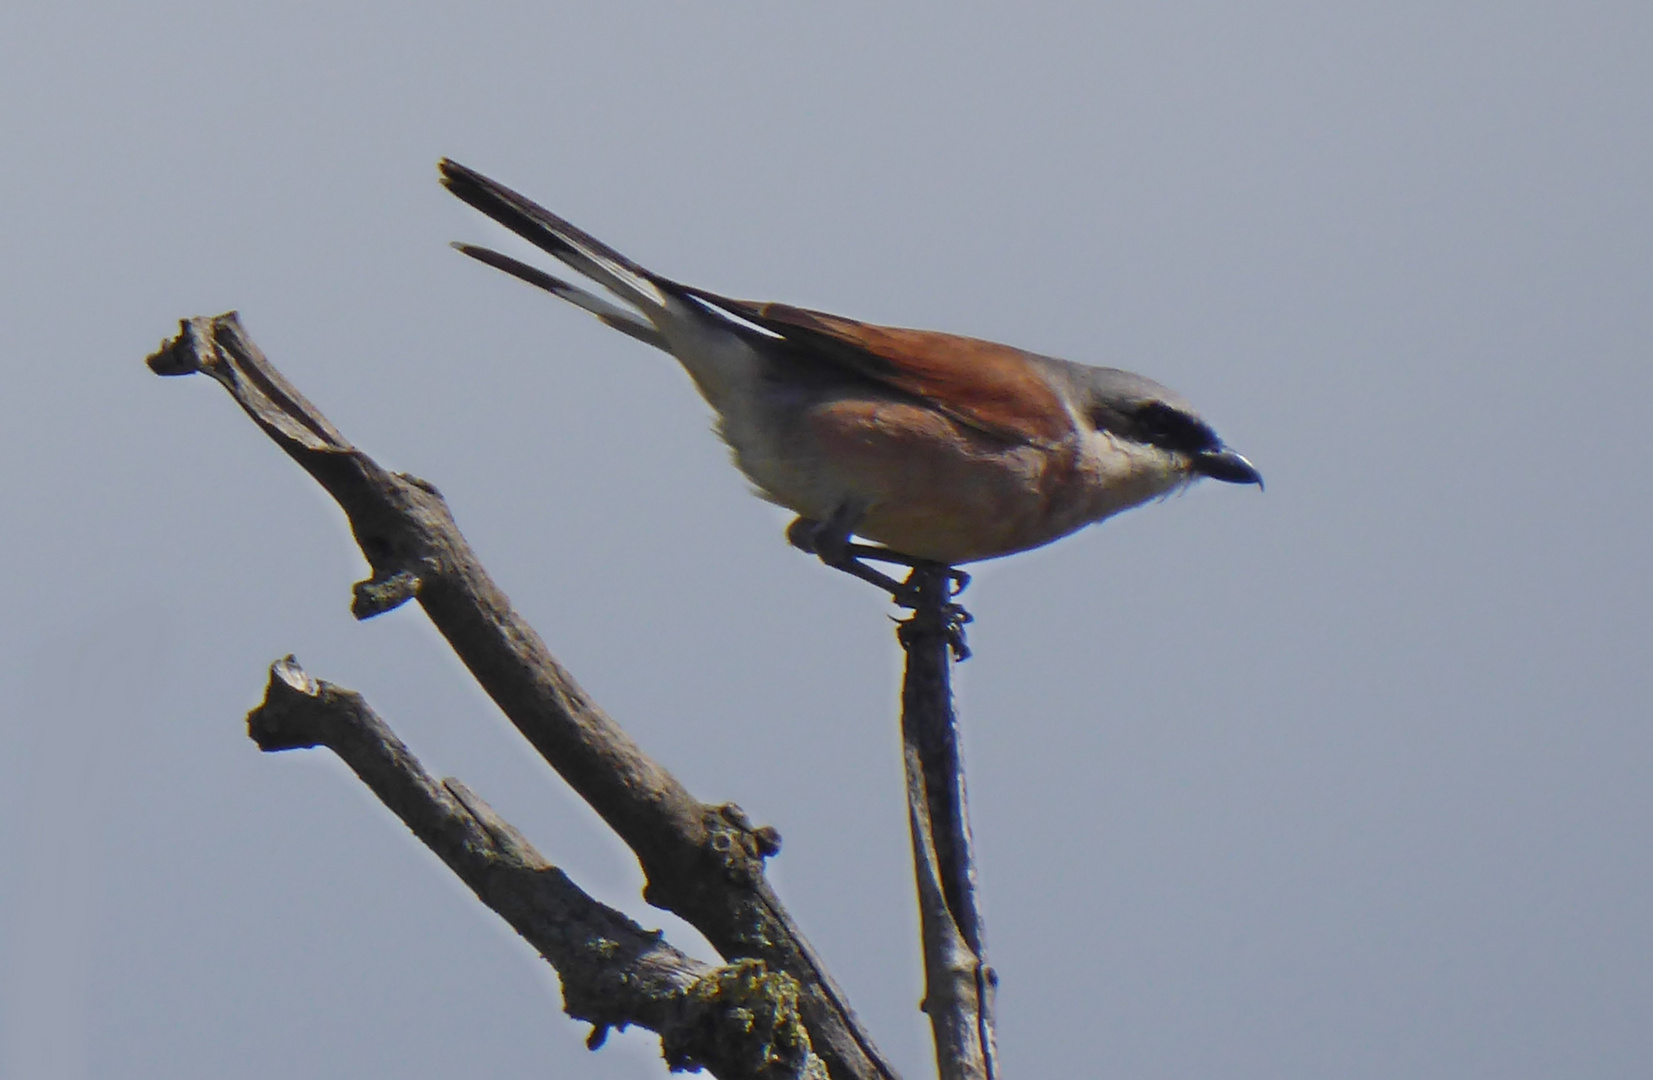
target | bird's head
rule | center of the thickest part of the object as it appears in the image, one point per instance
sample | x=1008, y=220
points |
x=1127, y=409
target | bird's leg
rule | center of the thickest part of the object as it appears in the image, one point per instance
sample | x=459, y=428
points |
x=829, y=541
x=958, y=578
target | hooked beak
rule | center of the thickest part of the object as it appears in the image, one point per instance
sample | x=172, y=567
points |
x=1227, y=466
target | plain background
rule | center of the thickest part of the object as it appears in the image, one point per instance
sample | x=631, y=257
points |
x=1346, y=779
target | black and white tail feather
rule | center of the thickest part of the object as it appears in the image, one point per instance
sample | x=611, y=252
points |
x=622, y=319
x=580, y=251
x=721, y=350
x=691, y=324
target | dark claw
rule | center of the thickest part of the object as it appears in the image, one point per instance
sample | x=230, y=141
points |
x=947, y=619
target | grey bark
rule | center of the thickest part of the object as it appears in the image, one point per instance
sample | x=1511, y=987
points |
x=701, y=861
x=738, y=1021
x=959, y=986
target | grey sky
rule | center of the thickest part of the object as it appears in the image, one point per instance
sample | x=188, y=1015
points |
x=1348, y=779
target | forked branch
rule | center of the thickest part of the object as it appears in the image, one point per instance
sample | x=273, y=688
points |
x=738, y=1022
x=703, y=862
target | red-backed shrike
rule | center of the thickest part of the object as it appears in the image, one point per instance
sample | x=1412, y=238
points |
x=944, y=449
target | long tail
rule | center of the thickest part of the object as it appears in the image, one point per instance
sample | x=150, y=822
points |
x=622, y=319
x=579, y=251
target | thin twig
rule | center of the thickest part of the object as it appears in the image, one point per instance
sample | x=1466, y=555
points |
x=959, y=986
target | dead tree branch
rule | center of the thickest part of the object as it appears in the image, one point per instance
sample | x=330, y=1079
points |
x=959, y=986
x=737, y=1022
x=702, y=862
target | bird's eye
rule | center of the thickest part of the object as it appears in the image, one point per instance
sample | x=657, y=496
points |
x=1164, y=425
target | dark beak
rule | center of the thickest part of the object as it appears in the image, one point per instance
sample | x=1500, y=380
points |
x=1227, y=466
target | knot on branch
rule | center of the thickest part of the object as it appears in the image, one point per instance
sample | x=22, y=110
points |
x=742, y=1021
x=404, y=534
x=738, y=847
x=377, y=595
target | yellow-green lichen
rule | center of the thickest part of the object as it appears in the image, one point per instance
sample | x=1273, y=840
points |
x=742, y=1020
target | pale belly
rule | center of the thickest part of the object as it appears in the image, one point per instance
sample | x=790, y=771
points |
x=934, y=489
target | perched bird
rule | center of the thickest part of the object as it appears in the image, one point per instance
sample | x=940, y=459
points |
x=943, y=449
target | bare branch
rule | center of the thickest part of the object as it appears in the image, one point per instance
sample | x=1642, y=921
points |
x=701, y=861
x=739, y=1022
x=959, y=986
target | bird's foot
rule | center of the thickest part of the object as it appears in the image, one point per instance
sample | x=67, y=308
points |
x=932, y=587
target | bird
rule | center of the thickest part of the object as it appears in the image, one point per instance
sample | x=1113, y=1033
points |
x=909, y=447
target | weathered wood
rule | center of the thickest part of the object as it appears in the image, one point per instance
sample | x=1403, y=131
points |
x=701, y=861
x=739, y=1022
x=959, y=986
